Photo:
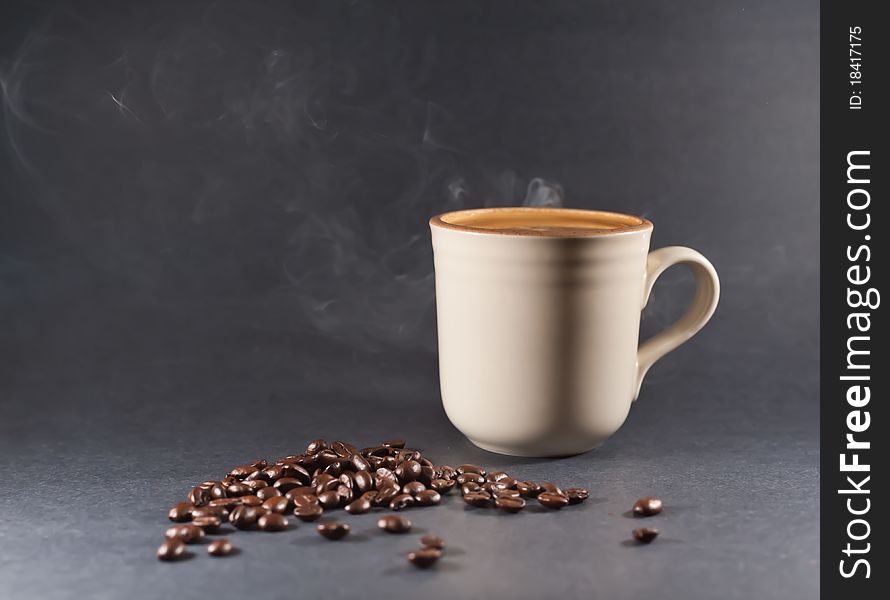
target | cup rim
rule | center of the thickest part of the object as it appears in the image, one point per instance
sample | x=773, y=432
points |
x=635, y=224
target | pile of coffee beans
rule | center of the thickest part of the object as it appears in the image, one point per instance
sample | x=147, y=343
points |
x=326, y=477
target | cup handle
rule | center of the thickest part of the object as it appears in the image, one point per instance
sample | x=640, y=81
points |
x=707, y=293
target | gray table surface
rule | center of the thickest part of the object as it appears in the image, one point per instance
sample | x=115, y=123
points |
x=94, y=454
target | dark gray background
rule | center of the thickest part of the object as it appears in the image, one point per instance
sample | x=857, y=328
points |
x=213, y=247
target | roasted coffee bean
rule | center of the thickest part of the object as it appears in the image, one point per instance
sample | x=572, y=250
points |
x=385, y=494
x=199, y=496
x=443, y=486
x=359, y=506
x=254, y=475
x=426, y=475
x=218, y=491
x=425, y=558
x=242, y=471
x=432, y=541
x=468, y=468
x=645, y=534
x=332, y=531
x=510, y=505
x=490, y=487
x=267, y=492
x=528, y=489
x=208, y=524
x=300, y=491
x=359, y=463
x=496, y=476
x=471, y=487
x=286, y=484
x=277, y=504
x=324, y=482
x=552, y=500
x=254, y=485
x=308, y=512
x=345, y=494
x=245, y=517
x=335, y=468
x=304, y=500
x=363, y=481
x=448, y=472
x=329, y=499
x=401, y=501
x=394, y=443
x=260, y=463
x=187, y=534
x=180, y=512
x=408, y=471
x=272, y=522
x=341, y=449
x=413, y=488
x=384, y=477
x=507, y=494
x=577, y=495
x=549, y=486
x=316, y=446
x=389, y=462
x=273, y=473
x=238, y=489
x=220, y=547
x=428, y=498
x=470, y=478
x=326, y=457
x=228, y=503
x=209, y=511
x=478, y=499
x=171, y=550
x=647, y=506
x=394, y=524
x=251, y=500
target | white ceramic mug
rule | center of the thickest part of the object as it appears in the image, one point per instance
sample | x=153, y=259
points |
x=539, y=316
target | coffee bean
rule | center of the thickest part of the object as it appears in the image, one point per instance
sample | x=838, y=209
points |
x=426, y=475
x=385, y=495
x=253, y=485
x=308, y=512
x=345, y=494
x=242, y=471
x=316, y=446
x=478, y=499
x=448, y=472
x=228, y=503
x=394, y=443
x=468, y=468
x=425, y=558
x=552, y=500
x=528, y=489
x=577, y=495
x=187, y=534
x=510, y=505
x=408, y=471
x=272, y=522
x=218, y=491
x=470, y=488
x=220, y=547
x=551, y=487
x=199, y=496
x=645, y=534
x=332, y=531
x=286, y=484
x=401, y=501
x=470, y=478
x=329, y=499
x=300, y=491
x=443, y=486
x=208, y=524
x=428, y=498
x=305, y=500
x=647, y=506
x=171, y=550
x=359, y=506
x=277, y=504
x=209, y=511
x=363, y=481
x=238, y=489
x=245, y=517
x=267, y=492
x=507, y=494
x=359, y=463
x=394, y=524
x=272, y=474
x=250, y=500
x=383, y=477
x=343, y=450
x=413, y=488
x=180, y=512
x=324, y=482
x=432, y=541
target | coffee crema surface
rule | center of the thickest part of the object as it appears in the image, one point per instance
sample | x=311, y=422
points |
x=553, y=222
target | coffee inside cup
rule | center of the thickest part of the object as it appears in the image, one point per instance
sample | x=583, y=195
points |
x=554, y=222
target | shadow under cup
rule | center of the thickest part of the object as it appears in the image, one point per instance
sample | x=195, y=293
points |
x=538, y=315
